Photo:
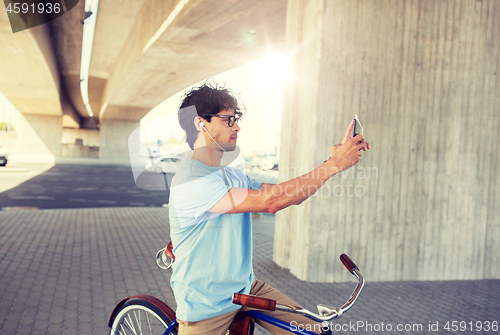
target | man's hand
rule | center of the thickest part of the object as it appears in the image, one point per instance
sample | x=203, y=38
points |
x=348, y=152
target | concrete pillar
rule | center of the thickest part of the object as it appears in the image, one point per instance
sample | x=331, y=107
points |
x=114, y=139
x=424, y=78
x=38, y=139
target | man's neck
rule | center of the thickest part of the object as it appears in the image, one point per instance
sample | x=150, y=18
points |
x=208, y=156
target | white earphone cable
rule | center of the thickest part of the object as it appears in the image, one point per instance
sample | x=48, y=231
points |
x=213, y=139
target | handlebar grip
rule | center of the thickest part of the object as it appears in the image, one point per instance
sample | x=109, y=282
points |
x=253, y=301
x=348, y=263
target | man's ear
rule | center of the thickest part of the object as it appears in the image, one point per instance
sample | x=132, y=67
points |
x=197, y=123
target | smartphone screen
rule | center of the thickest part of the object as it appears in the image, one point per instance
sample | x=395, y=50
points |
x=354, y=128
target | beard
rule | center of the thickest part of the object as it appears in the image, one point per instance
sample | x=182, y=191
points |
x=225, y=144
x=228, y=146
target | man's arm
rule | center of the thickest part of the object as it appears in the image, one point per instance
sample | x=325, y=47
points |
x=271, y=198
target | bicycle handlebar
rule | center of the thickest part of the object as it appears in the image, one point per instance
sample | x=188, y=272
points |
x=254, y=301
x=348, y=263
x=325, y=313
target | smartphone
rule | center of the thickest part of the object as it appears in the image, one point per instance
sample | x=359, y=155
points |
x=355, y=126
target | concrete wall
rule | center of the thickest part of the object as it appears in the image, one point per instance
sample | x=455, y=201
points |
x=114, y=138
x=424, y=78
x=80, y=143
x=77, y=149
x=38, y=139
x=90, y=137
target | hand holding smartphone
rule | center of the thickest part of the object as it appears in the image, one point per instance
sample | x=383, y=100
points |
x=356, y=127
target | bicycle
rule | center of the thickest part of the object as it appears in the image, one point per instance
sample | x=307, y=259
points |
x=139, y=314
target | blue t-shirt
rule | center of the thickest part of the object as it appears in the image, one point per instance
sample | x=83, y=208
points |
x=213, y=252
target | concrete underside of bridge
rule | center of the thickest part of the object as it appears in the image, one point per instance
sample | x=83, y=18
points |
x=422, y=75
x=144, y=51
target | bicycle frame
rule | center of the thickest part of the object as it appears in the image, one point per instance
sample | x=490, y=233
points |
x=260, y=316
x=326, y=313
x=278, y=323
x=171, y=327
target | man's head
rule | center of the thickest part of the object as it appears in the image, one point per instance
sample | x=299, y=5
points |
x=216, y=109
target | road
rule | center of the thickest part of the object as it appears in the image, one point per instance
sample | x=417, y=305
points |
x=83, y=186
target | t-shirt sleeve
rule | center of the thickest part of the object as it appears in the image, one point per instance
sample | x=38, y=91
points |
x=253, y=184
x=197, y=196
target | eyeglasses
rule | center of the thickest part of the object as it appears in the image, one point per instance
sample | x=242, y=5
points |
x=231, y=119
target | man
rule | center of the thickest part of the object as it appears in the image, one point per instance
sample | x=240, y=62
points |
x=210, y=219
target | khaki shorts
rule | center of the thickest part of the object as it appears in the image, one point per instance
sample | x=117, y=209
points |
x=220, y=324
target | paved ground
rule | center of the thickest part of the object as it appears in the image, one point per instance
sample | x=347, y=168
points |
x=12, y=176
x=63, y=271
x=80, y=186
x=87, y=183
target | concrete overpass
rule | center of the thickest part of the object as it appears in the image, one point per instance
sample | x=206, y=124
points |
x=423, y=75
x=136, y=63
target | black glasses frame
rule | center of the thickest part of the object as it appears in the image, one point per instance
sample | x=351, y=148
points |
x=231, y=119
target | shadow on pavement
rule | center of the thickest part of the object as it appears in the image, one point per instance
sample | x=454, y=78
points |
x=85, y=186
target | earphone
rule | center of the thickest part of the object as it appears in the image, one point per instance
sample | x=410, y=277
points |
x=203, y=126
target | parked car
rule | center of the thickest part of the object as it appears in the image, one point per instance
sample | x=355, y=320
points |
x=3, y=156
x=151, y=152
x=171, y=164
x=262, y=162
x=168, y=165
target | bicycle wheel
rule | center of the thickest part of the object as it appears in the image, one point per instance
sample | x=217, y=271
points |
x=138, y=316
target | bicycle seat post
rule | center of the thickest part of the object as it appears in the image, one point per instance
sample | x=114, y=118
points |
x=325, y=328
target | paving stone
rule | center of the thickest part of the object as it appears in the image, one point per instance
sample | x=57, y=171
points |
x=56, y=319
x=38, y=332
x=24, y=329
x=41, y=324
x=55, y=329
x=9, y=328
x=70, y=323
x=83, y=261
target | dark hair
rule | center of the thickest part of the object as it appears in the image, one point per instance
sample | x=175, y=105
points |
x=207, y=99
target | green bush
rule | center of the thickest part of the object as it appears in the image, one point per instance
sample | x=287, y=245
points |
x=4, y=126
